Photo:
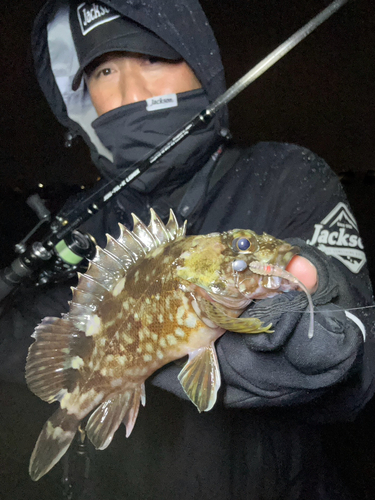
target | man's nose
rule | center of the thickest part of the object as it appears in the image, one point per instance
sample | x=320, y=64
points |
x=133, y=88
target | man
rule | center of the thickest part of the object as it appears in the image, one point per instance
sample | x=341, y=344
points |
x=125, y=75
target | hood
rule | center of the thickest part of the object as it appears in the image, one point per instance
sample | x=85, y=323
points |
x=56, y=60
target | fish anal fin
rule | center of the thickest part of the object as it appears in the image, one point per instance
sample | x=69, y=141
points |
x=240, y=325
x=105, y=420
x=200, y=377
x=131, y=414
x=54, y=439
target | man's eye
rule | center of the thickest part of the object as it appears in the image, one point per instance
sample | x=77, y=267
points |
x=104, y=72
x=153, y=59
x=99, y=72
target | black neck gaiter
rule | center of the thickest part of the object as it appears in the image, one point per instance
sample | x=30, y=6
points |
x=134, y=131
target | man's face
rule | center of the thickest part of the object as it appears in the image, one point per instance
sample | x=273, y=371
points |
x=118, y=78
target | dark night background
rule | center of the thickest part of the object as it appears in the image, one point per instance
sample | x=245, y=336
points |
x=321, y=95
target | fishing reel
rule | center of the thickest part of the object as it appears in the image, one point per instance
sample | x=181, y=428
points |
x=41, y=265
x=51, y=260
x=69, y=256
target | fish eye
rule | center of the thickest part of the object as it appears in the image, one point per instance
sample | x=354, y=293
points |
x=244, y=245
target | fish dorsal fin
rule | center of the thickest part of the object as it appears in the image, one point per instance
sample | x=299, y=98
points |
x=115, y=248
x=110, y=265
x=85, y=298
x=99, y=273
x=144, y=234
x=88, y=284
x=158, y=229
x=106, y=419
x=240, y=325
x=131, y=242
x=200, y=377
x=108, y=261
x=59, y=340
x=172, y=226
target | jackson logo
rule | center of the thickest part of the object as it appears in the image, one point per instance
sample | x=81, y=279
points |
x=94, y=14
x=161, y=102
x=337, y=235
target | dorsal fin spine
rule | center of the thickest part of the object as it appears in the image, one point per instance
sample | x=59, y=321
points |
x=83, y=297
x=120, y=251
x=182, y=230
x=131, y=242
x=104, y=276
x=108, y=261
x=89, y=284
x=172, y=225
x=146, y=237
x=158, y=229
x=143, y=240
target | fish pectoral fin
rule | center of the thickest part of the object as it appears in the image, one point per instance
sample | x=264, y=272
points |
x=200, y=377
x=105, y=420
x=238, y=325
x=53, y=441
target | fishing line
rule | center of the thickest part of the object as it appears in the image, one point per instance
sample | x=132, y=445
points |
x=326, y=311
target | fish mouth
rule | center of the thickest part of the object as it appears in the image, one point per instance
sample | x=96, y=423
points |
x=246, y=286
x=259, y=286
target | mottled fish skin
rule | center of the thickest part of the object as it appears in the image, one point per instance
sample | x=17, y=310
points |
x=150, y=297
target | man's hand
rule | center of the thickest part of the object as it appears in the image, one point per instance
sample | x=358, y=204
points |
x=304, y=271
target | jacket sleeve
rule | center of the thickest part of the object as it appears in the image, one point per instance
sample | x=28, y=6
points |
x=330, y=376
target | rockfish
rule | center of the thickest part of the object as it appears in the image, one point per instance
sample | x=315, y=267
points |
x=150, y=297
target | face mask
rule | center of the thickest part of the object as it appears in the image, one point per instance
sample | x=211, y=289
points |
x=132, y=132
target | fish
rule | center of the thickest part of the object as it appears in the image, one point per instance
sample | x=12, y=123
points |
x=150, y=297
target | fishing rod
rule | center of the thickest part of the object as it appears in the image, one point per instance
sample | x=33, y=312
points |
x=62, y=250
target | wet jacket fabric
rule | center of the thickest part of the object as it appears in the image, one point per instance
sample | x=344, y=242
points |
x=261, y=441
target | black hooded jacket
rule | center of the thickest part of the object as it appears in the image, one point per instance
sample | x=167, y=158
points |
x=259, y=442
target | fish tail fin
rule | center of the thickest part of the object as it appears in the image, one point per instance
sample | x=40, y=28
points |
x=53, y=441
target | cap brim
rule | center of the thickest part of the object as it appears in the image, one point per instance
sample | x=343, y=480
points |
x=128, y=43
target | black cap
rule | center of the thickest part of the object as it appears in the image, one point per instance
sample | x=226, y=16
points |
x=97, y=29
